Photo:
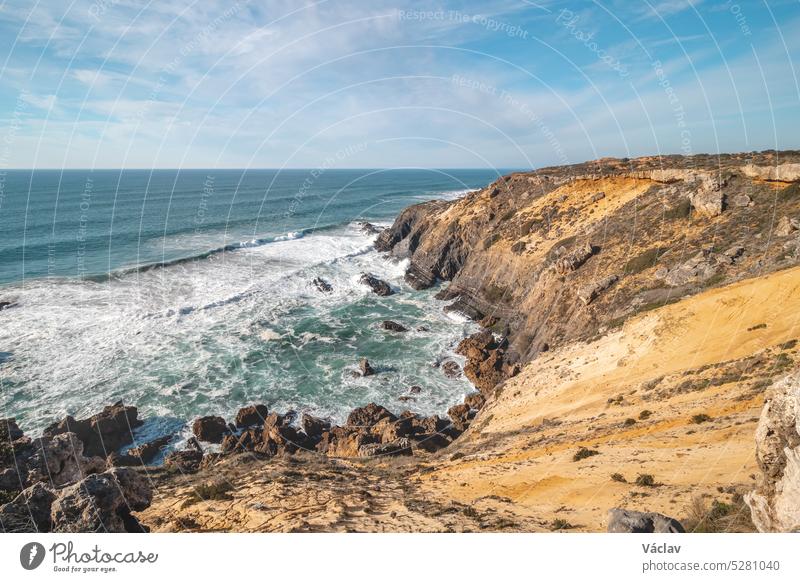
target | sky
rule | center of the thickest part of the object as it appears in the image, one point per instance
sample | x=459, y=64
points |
x=362, y=84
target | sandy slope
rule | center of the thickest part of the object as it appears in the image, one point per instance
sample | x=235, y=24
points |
x=523, y=445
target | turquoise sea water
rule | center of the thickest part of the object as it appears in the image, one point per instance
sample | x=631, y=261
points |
x=188, y=293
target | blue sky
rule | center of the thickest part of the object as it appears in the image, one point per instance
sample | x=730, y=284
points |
x=283, y=84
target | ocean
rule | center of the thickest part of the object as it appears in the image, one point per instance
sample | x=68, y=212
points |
x=189, y=293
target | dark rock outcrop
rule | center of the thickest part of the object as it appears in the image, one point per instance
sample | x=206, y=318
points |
x=393, y=326
x=628, y=521
x=210, y=429
x=150, y=450
x=102, y=503
x=322, y=285
x=253, y=415
x=378, y=286
x=365, y=367
x=186, y=461
x=313, y=426
x=103, y=432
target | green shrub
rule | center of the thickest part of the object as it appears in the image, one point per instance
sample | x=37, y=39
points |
x=629, y=422
x=700, y=418
x=645, y=414
x=618, y=477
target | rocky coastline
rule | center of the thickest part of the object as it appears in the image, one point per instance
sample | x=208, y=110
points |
x=543, y=261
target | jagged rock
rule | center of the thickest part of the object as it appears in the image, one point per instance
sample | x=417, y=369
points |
x=574, y=260
x=388, y=429
x=589, y=293
x=485, y=360
x=787, y=226
x=708, y=198
x=597, y=197
x=116, y=459
x=369, y=415
x=628, y=521
x=459, y=414
x=150, y=450
x=428, y=424
x=430, y=442
x=59, y=460
x=186, y=461
x=210, y=429
x=6, y=305
x=369, y=228
x=365, y=367
x=775, y=503
x=9, y=431
x=451, y=369
x=699, y=268
x=28, y=512
x=252, y=415
x=103, y=432
x=476, y=400
x=378, y=286
x=102, y=503
x=322, y=285
x=393, y=326
x=398, y=447
x=313, y=426
x=344, y=441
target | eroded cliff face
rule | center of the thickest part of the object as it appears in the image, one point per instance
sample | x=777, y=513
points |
x=562, y=254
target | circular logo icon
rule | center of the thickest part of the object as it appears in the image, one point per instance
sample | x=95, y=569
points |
x=31, y=555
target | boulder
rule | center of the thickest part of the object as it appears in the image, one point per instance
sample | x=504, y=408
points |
x=742, y=200
x=9, y=431
x=415, y=390
x=700, y=267
x=28, y=512
x=365, y=367
x=708, y=198
x=102, y=433
x=787, y=226
x=451, y=369
x=210, y=429
x=186, y=461
x=475, y=401
x=150, y=450
x=592, y=291
x=459, y=414
x=322, y=285
x=378, y=286
x=252, y=415
x=313, y=426
x=393, y=326
x=572, y=261
x=430, y=442
x=59, y=460
x=116, y=459
x=342, y=441
x=102, y=503
x=628, y=521
x=369, y=415
x=775, y=503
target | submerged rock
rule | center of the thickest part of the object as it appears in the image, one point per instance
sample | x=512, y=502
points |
x=322, y=285
x=628, y=521
x=150, y=450
x=378, y=286
x=393, y=326
x=365, y=367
